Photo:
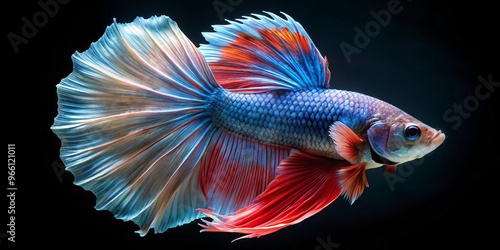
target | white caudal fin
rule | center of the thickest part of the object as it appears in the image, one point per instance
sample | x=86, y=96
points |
x=132, y=124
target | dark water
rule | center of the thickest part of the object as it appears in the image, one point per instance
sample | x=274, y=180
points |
x=428, y=60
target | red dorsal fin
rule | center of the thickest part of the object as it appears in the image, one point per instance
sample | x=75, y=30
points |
x=262, y=53
x=304, y=185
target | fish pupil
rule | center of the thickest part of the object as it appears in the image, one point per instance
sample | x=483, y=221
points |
x=412, y=133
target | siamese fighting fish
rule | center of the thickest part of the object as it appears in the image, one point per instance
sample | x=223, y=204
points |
x=243, y=133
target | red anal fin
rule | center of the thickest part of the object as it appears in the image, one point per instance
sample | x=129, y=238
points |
x=353, y=181
x=390, y=168
x=235, y=170
x=304, y=185
x=347, y=143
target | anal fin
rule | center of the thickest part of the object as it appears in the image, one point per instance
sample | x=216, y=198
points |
x=304, y=185
x=235, y=170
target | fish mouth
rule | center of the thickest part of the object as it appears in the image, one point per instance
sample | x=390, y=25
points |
x=436, y=139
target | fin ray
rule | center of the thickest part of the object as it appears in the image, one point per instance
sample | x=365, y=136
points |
x=353, y=181
x=262, y=53
x=347, y=143
x=235, y=170
x=132, y=122
x=304, y=185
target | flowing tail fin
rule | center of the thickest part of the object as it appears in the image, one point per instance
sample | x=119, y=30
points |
x=132, y=123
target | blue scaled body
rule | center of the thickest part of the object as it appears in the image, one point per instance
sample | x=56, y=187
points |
x=296, y=119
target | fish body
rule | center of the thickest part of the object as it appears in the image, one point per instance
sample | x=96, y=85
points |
x=244, y=130
x=294, y=119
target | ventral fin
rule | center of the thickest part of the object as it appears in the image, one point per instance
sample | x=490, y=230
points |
x=262, y=53
x=235, y=170
x=353, y=181
x=304, y=185
x=390, y=168
x=347, y=143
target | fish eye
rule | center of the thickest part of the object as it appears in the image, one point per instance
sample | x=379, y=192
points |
x=412, y=133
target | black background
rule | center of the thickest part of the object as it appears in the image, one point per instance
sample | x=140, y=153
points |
x=426, y=60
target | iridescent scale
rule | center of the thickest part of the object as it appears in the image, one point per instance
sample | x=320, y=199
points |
x=296, y=119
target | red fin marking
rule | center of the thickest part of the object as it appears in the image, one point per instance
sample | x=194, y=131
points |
x=304, y=185
x=235, y=170
x=347, y=143
x=390, y=168
x=353, y=181
x=274, y=41
x=264, y=53
x=284, y=39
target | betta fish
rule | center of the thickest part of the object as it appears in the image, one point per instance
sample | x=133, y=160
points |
x=243, y=133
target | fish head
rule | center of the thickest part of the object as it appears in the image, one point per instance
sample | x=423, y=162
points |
x=402, y=139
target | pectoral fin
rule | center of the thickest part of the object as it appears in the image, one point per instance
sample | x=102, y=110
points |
x=347, y=143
